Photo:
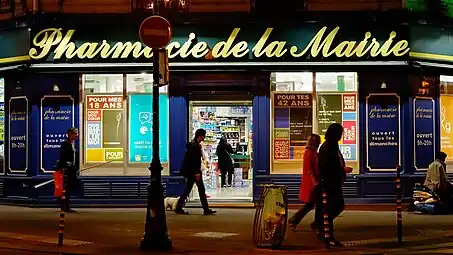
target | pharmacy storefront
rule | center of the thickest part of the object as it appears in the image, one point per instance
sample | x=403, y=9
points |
x=263, y=88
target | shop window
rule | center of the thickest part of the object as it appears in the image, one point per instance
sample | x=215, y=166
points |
x=2, y=122
x=319, y=100
x=103, y=115
x=117, y=131
x=446, y=118
x=140, y=137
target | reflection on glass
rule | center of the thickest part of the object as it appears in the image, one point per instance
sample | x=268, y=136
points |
x=345, y=81
x=142, y=83
x=292, y=81
x=103, y=83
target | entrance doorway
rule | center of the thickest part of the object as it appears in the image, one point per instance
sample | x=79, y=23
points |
x=233, y=122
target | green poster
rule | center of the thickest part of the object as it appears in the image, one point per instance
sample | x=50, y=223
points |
x=329, y=111
x=340, y=83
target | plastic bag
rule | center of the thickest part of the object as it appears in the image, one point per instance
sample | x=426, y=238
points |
x=58, y=180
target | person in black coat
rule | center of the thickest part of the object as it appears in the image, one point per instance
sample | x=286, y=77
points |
x=67, y=162
x=332, y=172
x=191, y=170
x=225, y=161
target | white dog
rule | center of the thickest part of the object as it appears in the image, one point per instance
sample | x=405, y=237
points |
x=170, y=203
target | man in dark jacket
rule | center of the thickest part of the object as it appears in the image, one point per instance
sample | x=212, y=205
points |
x=191, y=170
x=67, y=162
x=332, y=172
x=224, y=151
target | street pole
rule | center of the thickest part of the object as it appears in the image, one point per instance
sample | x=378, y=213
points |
x=399, y=214
x=156, y=235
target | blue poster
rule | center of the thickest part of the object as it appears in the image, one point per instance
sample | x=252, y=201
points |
x=18, y=135
x=349, y=151
x=141, y=128
x=383, y=132
x=424, y=132
x=57, y=116
x=94, y=134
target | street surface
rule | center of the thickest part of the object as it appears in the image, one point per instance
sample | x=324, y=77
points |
x=118, y=231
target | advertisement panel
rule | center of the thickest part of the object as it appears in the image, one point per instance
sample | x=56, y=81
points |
x=424, y=128
x=383, y=132
x=141, y=128
x=292, y=124
x=340, y=108
x=57, y=116
x=18, y=134
x=446, y=119
x=104, y=128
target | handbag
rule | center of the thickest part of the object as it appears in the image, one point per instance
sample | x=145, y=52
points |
x=58, y=180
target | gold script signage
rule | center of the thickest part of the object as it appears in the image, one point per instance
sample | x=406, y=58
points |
x=54, y=40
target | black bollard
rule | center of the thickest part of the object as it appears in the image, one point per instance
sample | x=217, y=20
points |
x=399, y=216
x=62, y=216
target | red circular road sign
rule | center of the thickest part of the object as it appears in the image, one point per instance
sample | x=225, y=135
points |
x=155, y=32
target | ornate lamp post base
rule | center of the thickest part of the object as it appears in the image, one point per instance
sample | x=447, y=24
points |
x=156, y=236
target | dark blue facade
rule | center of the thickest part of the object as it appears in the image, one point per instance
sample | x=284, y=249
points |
x=368, y=186
x=402, y=83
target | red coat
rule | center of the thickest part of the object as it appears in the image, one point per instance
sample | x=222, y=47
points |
x=310, y=175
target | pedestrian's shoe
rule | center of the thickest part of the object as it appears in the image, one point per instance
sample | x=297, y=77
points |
x=181, y=211
x=314, y=228
x=209, y=212
x=335, y=243
x=292, y=224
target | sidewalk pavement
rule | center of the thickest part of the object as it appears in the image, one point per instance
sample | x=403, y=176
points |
x=118, y=231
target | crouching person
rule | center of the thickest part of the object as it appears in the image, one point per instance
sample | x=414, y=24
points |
x=436, y=180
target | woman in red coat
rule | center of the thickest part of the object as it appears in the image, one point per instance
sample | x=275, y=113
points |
x=310, y=181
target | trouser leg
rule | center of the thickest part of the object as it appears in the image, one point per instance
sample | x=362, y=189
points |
x=319, y=215
x=68, y=185
x=336, y=207
x=223, y=177
x=202, y=193
x=185, y=193
x=230, y=176
x=300, y=214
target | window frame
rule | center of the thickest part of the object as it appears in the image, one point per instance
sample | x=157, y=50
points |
x=315, y=122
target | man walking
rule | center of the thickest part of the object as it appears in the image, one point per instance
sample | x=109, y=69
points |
x=191, y=170
x=67, y=162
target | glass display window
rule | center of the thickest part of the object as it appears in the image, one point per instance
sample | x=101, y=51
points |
x=446, y=118
x=117, y=117
x=2, y=123
x=319, y=100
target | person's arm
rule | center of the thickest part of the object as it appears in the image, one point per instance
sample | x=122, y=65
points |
x=443, y=180
x=323, y=163
x=228, y=148
x=310, y=160
x=64, y=160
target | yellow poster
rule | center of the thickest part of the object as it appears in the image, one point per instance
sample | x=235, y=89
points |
x=446, y=119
